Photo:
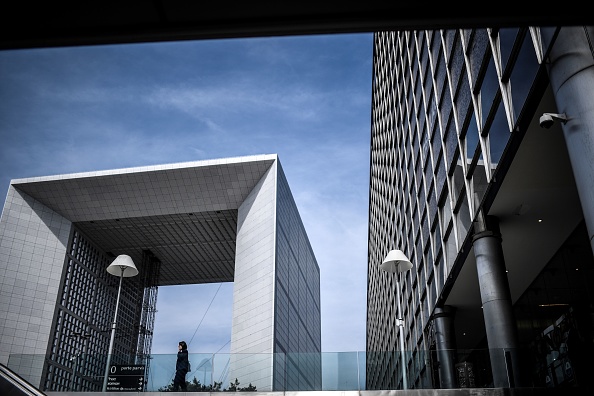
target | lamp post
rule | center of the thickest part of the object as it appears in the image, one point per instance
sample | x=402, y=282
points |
x=397, y=262
x=124, y=267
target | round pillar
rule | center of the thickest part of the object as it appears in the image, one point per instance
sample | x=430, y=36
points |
x=500, y=324
x=445, y=344
x=571, y=72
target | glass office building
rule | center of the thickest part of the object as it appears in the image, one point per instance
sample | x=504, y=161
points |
x=226, y=220
x=482, y=145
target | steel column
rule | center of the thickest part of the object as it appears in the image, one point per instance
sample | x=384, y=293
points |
x=571, y=72
x=500, y=324
x=445, y=340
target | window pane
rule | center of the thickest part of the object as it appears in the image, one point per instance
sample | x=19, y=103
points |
x=524, y=73
x=499, y=135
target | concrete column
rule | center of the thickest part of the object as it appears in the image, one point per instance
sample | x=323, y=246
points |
x=445, y=344
x=571, y=72
x=502, y=333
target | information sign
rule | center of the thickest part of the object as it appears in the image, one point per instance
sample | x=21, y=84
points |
x=125, y=378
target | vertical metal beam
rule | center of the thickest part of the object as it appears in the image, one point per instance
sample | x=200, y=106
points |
x=400, y=322
x=113, y=330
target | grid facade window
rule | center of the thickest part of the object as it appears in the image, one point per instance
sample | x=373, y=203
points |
x=83, y=317
x=444, y=106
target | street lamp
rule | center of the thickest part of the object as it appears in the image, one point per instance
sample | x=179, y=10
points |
x=396, y=262
x=124, y=267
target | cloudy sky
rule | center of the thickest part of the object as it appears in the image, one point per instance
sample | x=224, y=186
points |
x=307, y=99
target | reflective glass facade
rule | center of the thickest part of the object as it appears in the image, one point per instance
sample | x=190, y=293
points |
x=452, y=113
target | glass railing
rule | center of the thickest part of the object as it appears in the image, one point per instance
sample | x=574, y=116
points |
x=327, y=371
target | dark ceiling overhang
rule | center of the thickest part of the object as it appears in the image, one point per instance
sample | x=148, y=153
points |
x=53, y=24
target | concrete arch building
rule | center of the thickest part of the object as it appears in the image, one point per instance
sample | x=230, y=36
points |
x=224, y=220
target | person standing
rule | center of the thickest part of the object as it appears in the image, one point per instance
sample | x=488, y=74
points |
x=182, y=366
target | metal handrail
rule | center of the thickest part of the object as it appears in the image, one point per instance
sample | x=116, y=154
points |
x=9, y=381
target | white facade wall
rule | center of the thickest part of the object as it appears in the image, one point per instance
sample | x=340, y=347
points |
x=252, y=338
x=33, y=241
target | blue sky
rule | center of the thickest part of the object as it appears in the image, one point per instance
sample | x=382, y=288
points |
x=305, y=98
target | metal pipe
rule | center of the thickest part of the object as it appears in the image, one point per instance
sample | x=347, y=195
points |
x=401, y=336
x=113, y=328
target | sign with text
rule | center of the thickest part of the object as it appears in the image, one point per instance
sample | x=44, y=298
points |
x=125, y=378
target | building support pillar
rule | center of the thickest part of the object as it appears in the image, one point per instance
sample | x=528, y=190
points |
x=571, y=72
x=500, y=324
x=445, y=345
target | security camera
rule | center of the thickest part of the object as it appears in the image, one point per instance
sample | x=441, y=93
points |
x=548, y=119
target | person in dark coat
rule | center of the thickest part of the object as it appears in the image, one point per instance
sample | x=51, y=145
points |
x=182, y=366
